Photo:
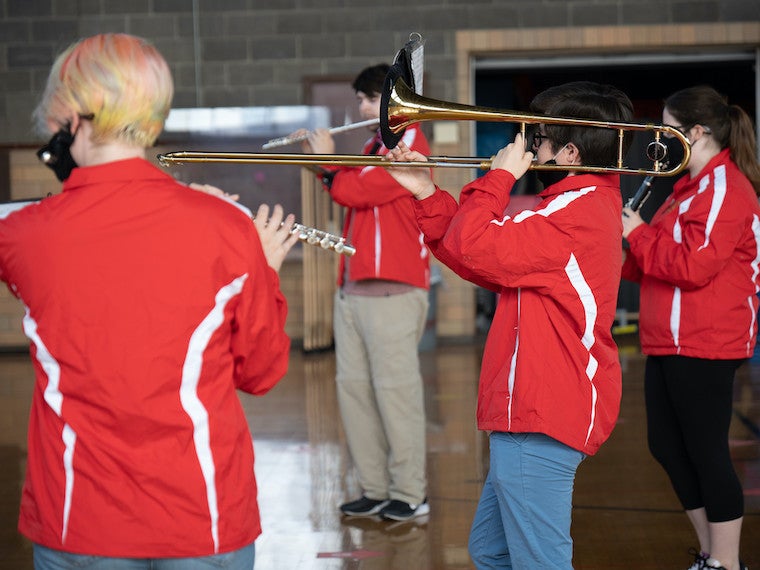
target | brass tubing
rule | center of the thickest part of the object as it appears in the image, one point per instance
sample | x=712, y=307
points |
x=405, y=107
x=188, y=157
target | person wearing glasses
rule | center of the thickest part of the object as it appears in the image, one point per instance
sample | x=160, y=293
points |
x=550, y=382
x=148, y=304
x=697, y=266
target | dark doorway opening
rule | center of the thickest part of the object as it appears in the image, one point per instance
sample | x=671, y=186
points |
x=647, y=83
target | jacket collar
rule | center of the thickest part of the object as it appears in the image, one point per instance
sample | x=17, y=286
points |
x=581, y=181
x=115, y=172
x=686, y=181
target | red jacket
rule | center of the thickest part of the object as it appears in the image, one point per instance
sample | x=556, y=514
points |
x=697, y=263
x=147, y=305
x=380, y=221
x=550, y=364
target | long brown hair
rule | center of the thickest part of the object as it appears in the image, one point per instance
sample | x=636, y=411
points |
x=730, y=125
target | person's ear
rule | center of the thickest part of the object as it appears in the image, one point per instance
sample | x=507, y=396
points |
x=573, y=154
x=700, y=130
x=74, y=122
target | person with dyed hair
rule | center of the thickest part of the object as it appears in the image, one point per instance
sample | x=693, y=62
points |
x=147, y=305
x=697, y=266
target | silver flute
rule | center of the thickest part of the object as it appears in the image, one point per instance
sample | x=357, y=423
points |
x=312, y=236
x=290, y=139
x=323, y=239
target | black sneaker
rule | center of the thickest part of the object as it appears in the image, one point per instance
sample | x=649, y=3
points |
x=401, y=511
x=363, y=507
x=700, y=559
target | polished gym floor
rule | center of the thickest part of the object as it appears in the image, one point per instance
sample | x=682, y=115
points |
x=625, y=514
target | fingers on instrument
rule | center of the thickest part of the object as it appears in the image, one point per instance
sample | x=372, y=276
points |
x=311, y=236
x=284, y=141
x=325, y=240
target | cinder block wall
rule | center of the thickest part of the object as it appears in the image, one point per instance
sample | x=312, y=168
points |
x=258, y=52
x=263, y=52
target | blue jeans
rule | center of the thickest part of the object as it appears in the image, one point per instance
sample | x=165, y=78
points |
x=523, y=517
x=49, y=559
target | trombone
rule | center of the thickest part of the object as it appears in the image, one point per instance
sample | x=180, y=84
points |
x=401, y=107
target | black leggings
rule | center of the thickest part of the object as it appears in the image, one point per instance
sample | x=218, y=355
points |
x=689, y=405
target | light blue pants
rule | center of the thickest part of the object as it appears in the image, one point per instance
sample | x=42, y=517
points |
x=49, y=559
x=523, y=517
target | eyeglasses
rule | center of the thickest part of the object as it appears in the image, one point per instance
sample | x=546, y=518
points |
x=538, y=139
x=684, y=130
x=681, y=129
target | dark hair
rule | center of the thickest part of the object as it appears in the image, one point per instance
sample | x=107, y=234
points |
x=544, y=101
x=586, y=100
x=371, y=79
x=730, y=126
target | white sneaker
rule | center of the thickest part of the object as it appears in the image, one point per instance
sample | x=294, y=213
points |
x=401, y=511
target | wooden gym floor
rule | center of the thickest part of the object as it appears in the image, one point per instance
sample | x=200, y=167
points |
x=625, y=514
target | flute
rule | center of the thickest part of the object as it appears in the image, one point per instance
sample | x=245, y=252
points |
x=325, y=240
x=282, y=141
x=311, y=236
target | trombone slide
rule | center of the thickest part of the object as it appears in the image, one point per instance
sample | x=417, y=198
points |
x=351, y=160
x=190, y=157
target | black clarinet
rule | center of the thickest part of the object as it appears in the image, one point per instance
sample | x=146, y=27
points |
x=641, y=195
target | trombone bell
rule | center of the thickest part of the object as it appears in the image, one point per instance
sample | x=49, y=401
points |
x=403, y=107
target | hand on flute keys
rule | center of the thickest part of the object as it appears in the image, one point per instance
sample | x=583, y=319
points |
x=318, y=141
x=276, y=234
x=417, y=180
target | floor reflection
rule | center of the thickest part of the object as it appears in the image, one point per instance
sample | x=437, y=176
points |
x=625, y=514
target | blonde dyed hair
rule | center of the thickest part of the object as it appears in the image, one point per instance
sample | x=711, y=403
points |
x=119, y=79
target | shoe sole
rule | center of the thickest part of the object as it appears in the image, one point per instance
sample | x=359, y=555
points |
x=408, y=525
x=421, y=510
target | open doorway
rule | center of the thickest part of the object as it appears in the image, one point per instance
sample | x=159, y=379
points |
x=510, y=84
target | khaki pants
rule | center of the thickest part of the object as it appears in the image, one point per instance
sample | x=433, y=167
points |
x=380, y=391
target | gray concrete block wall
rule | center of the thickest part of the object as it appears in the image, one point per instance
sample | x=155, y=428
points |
x=258, y=52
